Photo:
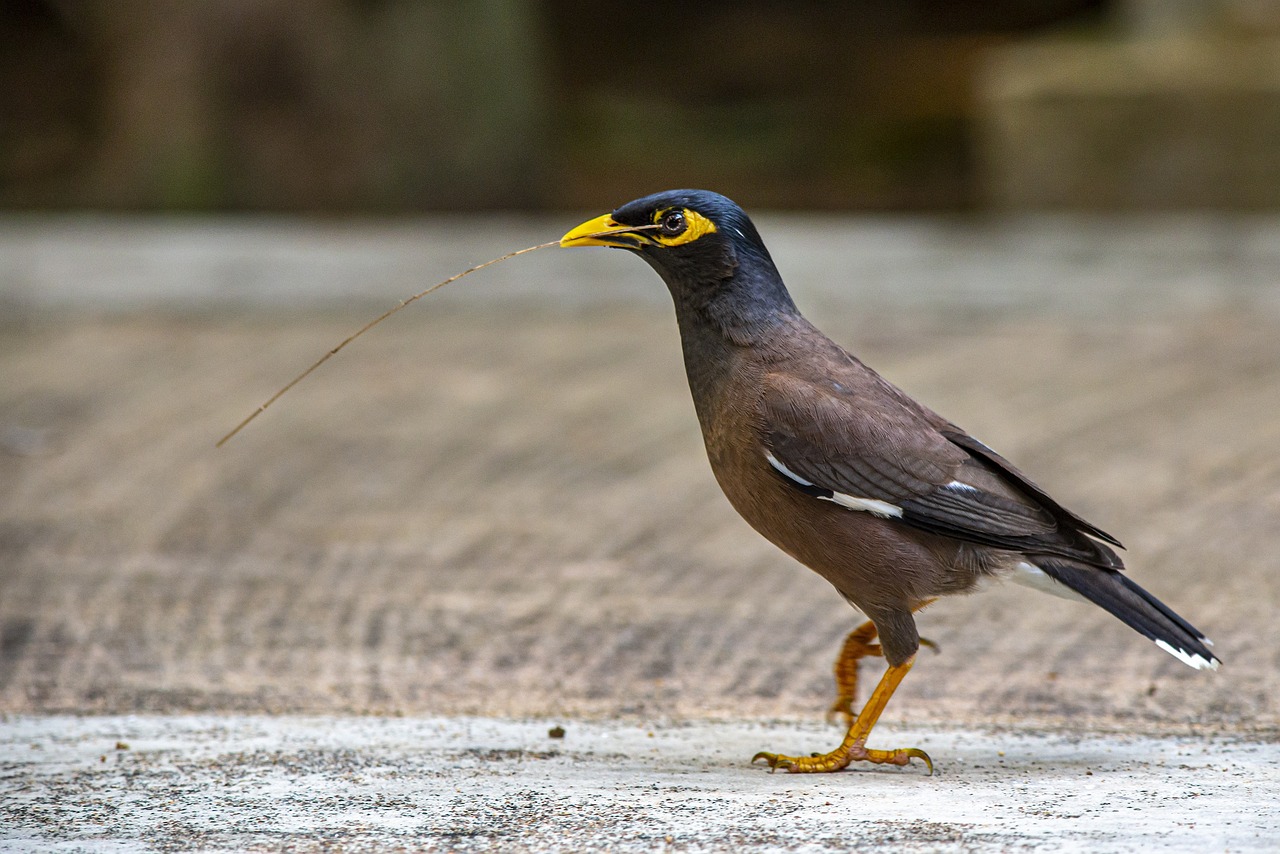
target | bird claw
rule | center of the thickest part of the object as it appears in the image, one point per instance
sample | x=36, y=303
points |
x=917, y=753
x=841, y=757
x=774, y=761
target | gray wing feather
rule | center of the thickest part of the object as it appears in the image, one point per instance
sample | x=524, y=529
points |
x=878, y=449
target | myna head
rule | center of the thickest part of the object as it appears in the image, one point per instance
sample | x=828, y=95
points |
x=703, y=246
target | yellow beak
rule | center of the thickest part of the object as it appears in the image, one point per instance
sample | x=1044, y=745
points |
x=598, y=231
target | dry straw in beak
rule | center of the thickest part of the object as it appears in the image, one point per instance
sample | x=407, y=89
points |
x=372, y=323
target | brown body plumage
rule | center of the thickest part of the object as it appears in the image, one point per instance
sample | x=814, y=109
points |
x=881, y=570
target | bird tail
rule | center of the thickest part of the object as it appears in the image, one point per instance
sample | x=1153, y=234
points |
x=1136, y=608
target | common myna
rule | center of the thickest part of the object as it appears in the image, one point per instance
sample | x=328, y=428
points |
x=890, y=502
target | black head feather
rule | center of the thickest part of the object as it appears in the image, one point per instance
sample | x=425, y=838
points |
x=728, y=271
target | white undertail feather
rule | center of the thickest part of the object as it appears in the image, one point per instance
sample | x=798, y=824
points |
x=1030, y=575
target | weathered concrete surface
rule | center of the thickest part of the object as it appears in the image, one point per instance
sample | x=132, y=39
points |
x=479, y=784
x=510, y=513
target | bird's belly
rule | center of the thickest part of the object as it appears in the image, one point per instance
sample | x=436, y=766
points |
x=875, y=563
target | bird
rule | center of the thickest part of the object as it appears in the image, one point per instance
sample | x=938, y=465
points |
x=888, y=501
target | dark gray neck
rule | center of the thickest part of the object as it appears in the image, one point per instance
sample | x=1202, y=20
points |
x=727, y=325
x=743, y=303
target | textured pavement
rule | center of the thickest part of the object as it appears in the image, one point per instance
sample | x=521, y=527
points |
x=479, y=784
x=510, y=513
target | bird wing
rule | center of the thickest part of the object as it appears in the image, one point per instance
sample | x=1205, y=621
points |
x=1011, y=473
x=871, y=452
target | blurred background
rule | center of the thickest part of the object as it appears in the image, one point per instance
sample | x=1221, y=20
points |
x=395, y=106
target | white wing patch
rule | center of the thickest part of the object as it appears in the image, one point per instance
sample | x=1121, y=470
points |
x=786, y=472
x=874, y=506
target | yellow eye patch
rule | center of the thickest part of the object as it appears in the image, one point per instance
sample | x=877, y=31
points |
x=696, y=225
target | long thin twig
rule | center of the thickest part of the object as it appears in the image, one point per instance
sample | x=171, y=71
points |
x=372, y=323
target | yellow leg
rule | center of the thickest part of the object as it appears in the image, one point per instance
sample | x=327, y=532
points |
x=854, y=747
x=856, y=646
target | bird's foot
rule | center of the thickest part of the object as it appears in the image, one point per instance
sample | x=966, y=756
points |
x=841, y=757
x=854, y=746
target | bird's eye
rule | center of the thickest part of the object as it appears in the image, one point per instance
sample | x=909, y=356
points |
x=674, y=223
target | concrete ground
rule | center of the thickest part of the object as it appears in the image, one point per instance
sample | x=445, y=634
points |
x=480, y=784
x=492, y=515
